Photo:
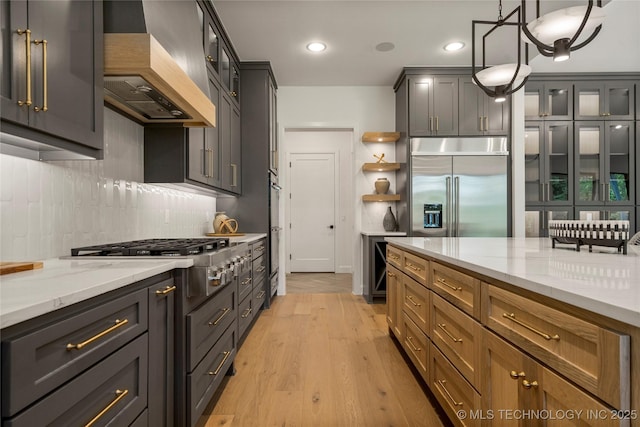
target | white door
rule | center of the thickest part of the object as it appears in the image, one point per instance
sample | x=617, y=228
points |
x=312, y=212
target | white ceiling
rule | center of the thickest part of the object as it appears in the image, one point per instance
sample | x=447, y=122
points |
x=278, y=31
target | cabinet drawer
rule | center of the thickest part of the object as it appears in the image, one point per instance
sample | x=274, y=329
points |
x=257, y=249
x=416, y=344
x=452, y=391
x=458, y=336
x=395, y=256
x=205, y=379
x=259, y=295
x=38, y=362
x=416, y=267
x=206, y=324
x=458, y=288
x=244, y=286
x=416, y=303
x=593, y=357
x=259, y=266
x=244, y=315
x=118, y=383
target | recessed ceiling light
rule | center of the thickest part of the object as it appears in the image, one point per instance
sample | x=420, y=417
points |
x=316, y=47
x=453, y=46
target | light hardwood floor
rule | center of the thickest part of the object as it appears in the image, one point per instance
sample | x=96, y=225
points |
x=318, y=283
x=322, y=360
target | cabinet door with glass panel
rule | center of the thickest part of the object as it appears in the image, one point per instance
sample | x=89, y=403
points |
x=610, y=213
x=548, y=163
x=548, y=100
x=536, y=219
x=610, y=100
x=210, y=40
x=604, y=163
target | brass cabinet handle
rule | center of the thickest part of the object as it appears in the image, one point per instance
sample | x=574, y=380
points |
x=120, y=394
x=444, y=282
x=211, y=169
x=245, y=282
x=234, y=179
x=209, y=58
x=480, y=121
x=431, y=123
x=261, y=269
x=526, y=384
x=517, y=375
x=486, y=123
x=442, y=383
x=27, y=43
x=391, y=274
x=259, y=249
x=205, y=167
x=512, y=317
x=118, y=324
x=260, y=295
x=444, y=328
x=410, y=298
x=224, y=359
x=166, y=290
x=225, y=311
x=410, y=339
x=437, y=123
x=413, y=267
x=246, y=313
x=392, y=256
x=45, y=88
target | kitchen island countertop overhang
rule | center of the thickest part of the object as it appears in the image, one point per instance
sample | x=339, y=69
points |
x=603, y=281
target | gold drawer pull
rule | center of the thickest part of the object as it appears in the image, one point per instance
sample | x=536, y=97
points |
x=224, y=359
x=166, y=290
x=526, y=384
x=45, y=85
x=27, y=34
x=410, y=339
x=391, y=275
x=517, y=375
x=246, y=313
x=444, y=388
x=444, y=282
x=413, y=267
x=246, y=282
x=120, y=394
x=547, y=337
x=261, y=269
x=410, y=298
x=225, y=311
x=392, y=256
x=79, y=346
x=443, y=327
x=260, y=295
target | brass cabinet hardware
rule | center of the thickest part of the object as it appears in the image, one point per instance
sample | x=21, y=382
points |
x=225, y=311
x=486, y=123
x=526, y=384
x=410, y=339
x=224, y=359
x=118, y=324
x=166, y=290
x=410, y=298
x=392, y=256
x=245, y=282
x=437, y=123
x=444, y=282
x=27, y=43
x=517, y=375
x=391, y=274
x=205, y=166
x=261, y=269
x=442, y=383
x=413, y=267
x=259, y=249
x=120, y=394
x=233, y=93
x=246, y=313
x=431, y=123
x=209, y=58
x=234, y=171
x=260, y=295
x=45, y=87
x=512, y=317
x=480, y=120
x=444, y=328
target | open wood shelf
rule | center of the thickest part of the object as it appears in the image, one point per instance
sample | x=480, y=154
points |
x=381, y=137
x=380, y=167
x=381, y=198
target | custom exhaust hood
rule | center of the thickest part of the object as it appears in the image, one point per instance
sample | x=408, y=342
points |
x=154, y=67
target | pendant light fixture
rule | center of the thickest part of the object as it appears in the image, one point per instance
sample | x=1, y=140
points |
x=555, y=33
x=502, y=80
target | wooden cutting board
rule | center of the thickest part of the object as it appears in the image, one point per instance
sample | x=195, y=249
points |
x=14, y=267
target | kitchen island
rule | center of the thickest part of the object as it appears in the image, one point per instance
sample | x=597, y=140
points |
x=498, y=325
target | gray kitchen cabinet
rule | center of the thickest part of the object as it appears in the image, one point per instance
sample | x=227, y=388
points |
x=258, y=274
x=604, y=163
x=608, y=100
x=548, y=100
x=536, y=218
x=55, y=97
x=433, y=105
x=479, y=113
x=211, y=39
x=230, y=146
x=609, y=213
x=374, y=268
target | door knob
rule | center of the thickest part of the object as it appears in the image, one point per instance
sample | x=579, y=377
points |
x=331, y=227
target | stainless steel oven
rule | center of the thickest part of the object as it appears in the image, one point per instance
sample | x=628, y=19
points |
x=274, y=228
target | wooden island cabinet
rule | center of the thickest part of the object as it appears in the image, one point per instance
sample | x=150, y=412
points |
x=511, y=332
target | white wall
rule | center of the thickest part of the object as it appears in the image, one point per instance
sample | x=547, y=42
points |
x=48, y=208
x=363, y=109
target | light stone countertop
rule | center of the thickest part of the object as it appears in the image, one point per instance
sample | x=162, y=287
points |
x=62, y=282
x=247, y=238
x=383, y=233
x=604, y=281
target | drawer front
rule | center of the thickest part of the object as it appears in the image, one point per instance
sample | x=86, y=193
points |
x=205, y=379
x=36, y=363
x=244, y=286
x=118, y=383
x=395, y=256
x=458, y=336
x=258, y=249
x=416, y=303
x=593, y=357
x=259, y=295
x=259, y=266
x=452, y=391
x=416, y=344
x=458, y=288
x=245, y=315
x=206, y=324
x=416, y=267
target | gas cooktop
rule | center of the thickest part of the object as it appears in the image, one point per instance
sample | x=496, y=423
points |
x=155, y=247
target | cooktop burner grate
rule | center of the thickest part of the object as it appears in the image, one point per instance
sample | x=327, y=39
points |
x=154, y=247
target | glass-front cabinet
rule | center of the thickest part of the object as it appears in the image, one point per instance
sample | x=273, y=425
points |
x=537, y=218
x=548, y=165
x=604, y=163
x=210, y=40
x=548, y=100
x=611, y=100
x=597, y=213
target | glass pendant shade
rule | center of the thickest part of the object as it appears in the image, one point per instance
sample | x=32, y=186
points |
x=564, y=23
x=501, y=75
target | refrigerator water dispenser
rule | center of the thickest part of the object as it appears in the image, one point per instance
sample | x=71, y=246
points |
x=433, y=215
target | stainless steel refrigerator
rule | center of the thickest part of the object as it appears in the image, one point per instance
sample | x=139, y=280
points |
x=459, y=187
